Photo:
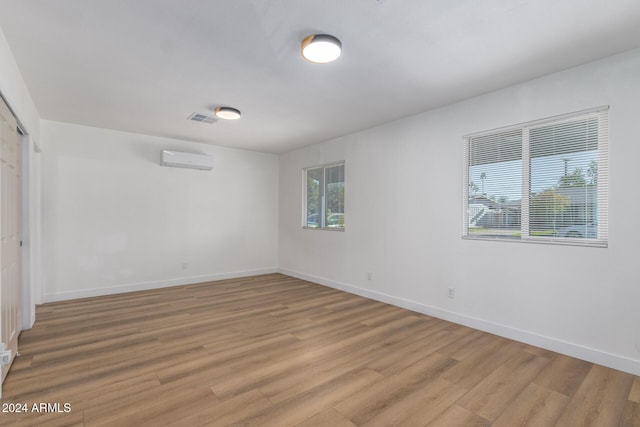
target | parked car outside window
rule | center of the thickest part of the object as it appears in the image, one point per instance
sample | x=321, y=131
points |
x=582, y=231
x=313, y=220
x=335, y=220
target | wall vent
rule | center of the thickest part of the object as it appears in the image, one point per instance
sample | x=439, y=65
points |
x=203, y=118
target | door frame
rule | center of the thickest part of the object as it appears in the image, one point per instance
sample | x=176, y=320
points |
x=31, y=216
x=31, y=222
x=31, y=228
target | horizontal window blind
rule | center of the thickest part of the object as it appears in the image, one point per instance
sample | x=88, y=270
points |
x=543, y=181
x=495, y=177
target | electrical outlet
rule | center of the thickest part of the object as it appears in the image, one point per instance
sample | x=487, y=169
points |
x=185, y=265
x=451, y=292
x=369, y=275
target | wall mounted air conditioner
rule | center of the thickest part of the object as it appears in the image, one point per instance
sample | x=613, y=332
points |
x=179, y=159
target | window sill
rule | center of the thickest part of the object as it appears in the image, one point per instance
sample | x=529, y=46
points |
x=591, y=243
x=324, y=228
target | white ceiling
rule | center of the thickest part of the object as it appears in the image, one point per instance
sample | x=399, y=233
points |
x=144, y=65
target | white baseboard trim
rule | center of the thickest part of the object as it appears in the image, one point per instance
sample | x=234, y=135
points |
x=143, y=286
x=592, y=355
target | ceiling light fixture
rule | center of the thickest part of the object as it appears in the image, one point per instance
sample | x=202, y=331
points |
x=227, y=113
x=321, y=48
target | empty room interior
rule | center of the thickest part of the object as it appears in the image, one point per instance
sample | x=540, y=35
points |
x=320, y=213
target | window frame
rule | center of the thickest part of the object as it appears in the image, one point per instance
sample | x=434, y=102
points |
x=323, y=208
x=601, y=114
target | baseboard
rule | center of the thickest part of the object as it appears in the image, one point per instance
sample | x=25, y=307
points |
x=592, y=355
x=143, y=286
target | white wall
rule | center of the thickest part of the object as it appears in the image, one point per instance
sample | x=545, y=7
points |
x=14, y=90
x=404, y=223
x=115, y=220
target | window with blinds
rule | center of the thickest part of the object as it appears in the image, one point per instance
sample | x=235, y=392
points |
x=544, y=181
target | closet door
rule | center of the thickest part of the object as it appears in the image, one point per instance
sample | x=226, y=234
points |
x=10, y=269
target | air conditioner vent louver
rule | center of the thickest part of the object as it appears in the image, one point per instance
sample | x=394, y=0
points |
x=203, y=118
x=178, y=159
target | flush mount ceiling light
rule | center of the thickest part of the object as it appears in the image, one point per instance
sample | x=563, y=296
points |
x=321, y=48
x=227, y=113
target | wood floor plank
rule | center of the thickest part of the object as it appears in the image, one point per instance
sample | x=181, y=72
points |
x=485, y=360
x=301, y=356
x=495, y=392
x=73, y=419
x=540, y=351
x=275, y=350
x=328, y=417
x=314, y=401
x=407, y=352
x=33, y=388
x=288, y=385
x=564, y=374
x=600, y=399
x=226, y=413
x=218, y=358
x=536, y=406
x=361, y=407
x=459, y=417
x=421, y=406
x=149, y=407
x=126, y=388
x=385, y=314
x=457, y=349
x=634, y=394
x=630, y=415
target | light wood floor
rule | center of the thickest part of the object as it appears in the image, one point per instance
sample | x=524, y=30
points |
x=276, y=351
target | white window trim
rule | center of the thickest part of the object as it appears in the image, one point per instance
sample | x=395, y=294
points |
x=603, y=176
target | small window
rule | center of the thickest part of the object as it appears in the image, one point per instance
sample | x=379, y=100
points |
x=324, y=197
x=544, y=181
